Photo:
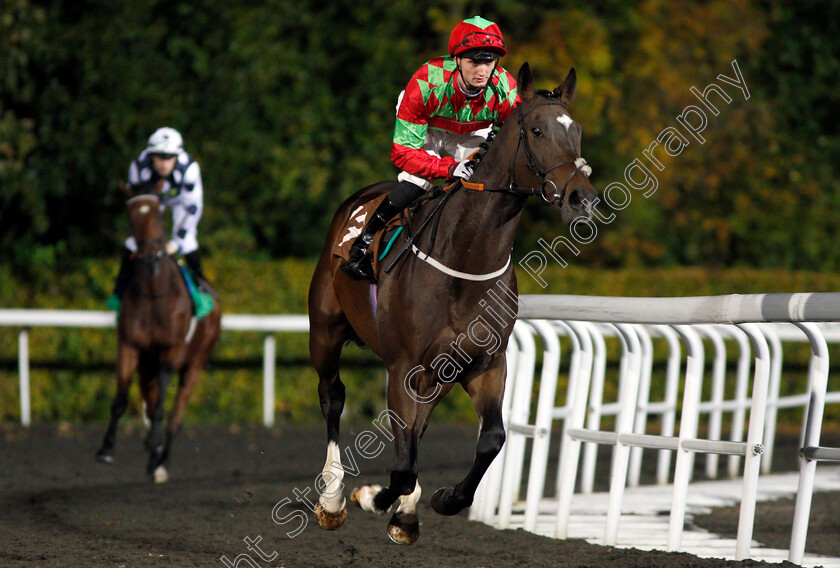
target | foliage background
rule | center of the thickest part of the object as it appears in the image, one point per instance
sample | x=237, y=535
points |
x=289, y=108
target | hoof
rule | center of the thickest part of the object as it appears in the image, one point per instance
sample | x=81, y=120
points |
x=404, y=528
x=363, y=498
x=160, y=475
x=104, y=457
x=330, y=521
x=444, y=503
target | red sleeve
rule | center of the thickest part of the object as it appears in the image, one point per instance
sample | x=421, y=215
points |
x=420, y=163
x=410, y=134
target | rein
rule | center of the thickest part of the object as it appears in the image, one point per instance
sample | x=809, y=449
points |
x=534, y=164
x=450, y=190
x=151, y=260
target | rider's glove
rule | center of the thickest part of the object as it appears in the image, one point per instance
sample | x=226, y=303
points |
x=171, y=248
x=462, y=170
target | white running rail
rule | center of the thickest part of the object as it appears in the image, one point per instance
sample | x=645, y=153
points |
x=25, y=319
x=588, y=323
x=757, y=325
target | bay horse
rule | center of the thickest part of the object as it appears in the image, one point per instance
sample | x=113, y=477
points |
x=157, y=334
x=432, y=322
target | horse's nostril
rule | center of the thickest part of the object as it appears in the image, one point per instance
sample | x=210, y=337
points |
x=575, y=201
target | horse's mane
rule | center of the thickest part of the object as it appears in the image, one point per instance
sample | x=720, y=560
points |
x=551, y=95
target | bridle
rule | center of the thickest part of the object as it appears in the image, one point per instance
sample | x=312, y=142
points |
x=150, y=261
x=534, y=163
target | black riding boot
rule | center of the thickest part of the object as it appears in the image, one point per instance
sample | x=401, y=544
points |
x=359, y=266
x=193, y=260
x=124, y=275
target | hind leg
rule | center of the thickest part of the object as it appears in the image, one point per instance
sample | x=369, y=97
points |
x=127, y=360
x=486, y=391
x=198, y=353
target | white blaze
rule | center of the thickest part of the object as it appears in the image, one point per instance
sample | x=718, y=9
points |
x=565, y=120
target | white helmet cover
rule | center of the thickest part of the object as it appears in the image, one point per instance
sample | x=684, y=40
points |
x=165, y=141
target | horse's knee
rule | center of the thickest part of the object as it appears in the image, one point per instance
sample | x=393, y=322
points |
x=119, y=404
x=490, y=442
x=172, y=430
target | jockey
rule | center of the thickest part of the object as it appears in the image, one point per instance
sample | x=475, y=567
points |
x=165, y=158
x=449, y=105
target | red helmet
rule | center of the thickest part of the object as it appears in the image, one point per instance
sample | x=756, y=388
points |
x=477, y=38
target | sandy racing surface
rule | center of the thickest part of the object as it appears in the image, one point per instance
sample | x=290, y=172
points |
x=58, y=507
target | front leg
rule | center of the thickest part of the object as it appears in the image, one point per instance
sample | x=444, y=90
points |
x=155, y=441
x=404, y=526
x=409, y=419
x=127, y=361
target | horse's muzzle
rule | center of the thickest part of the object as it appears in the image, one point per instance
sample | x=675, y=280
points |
x=150, y=264
x=579, y=201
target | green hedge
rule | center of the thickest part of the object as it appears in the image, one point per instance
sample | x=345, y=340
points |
x=289, y=108
x=72, y=377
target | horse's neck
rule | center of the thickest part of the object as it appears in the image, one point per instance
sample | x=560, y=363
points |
x=475, y=231
x=161, y=282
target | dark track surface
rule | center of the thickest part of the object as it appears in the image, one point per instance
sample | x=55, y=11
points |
x=60, y=508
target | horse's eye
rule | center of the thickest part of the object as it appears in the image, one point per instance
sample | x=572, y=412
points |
x=537, y=132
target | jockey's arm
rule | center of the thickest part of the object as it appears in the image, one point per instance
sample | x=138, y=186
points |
x=133, y=174
x=187, y=210
x=410, y=135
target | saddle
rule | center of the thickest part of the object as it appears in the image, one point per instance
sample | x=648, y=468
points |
x=383, y=241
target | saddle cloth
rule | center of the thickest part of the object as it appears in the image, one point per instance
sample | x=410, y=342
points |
x=202, y=301
x=353, y=228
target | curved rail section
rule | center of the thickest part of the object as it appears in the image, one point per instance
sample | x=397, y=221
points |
x=755, y=325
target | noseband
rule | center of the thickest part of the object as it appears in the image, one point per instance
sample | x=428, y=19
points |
x=150, y=260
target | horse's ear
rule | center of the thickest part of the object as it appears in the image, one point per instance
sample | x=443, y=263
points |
x=159, y=186
x=126, y=189
x=525, y=82
x=566, y=90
